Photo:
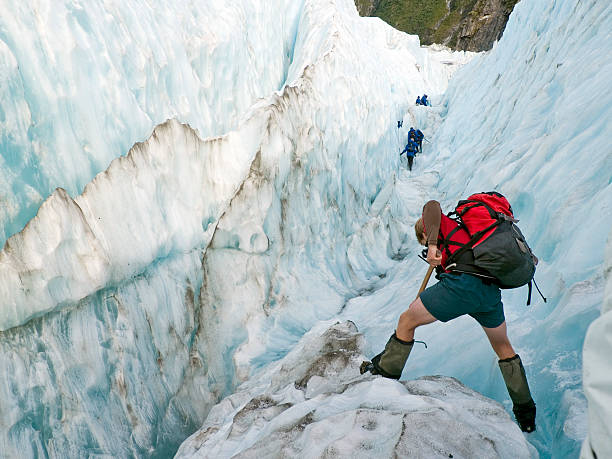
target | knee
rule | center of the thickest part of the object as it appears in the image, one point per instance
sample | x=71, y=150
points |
x=407, y=319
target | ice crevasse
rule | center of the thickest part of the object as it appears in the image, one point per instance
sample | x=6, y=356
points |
x=117, y=301
x=272, y=201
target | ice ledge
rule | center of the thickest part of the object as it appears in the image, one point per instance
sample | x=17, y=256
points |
x=314, y=403
x=165, y=196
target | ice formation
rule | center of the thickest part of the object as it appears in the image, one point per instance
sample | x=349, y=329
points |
x=267, y=198
x=314, y=403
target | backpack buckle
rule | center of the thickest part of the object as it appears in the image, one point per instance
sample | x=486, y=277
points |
x=508, y=218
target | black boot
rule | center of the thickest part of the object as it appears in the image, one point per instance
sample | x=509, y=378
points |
x=390, y=362
x=516, y=382
x=525, y=416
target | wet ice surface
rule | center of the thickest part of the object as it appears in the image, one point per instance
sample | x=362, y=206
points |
x=314, y=403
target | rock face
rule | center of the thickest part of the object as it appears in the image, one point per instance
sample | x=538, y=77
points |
x=367, y=7
x=482, y=27
x=466, y=25
x=314, y=403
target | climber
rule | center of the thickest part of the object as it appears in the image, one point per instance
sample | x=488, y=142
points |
x=419, y=136
x=471, y=292
x=411, y=134
x=418, y=100
x=410, y=150
x=424, y=100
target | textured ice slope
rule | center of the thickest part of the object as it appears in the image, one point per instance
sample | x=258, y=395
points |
x=178, y=189
x=532, y=119
x=83, y=82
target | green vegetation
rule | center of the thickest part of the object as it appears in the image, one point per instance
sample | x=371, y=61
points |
x=413, y=16
x=435, y=21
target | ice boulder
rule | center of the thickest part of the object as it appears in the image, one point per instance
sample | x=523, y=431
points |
x=314, y=403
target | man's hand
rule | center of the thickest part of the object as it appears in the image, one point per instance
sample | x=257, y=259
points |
x=434, y=256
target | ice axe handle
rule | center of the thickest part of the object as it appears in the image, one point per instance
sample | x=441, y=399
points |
x=426, y=280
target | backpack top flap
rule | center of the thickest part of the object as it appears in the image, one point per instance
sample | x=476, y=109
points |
x=482, y=212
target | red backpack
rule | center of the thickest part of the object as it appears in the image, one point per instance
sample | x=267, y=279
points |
x=496, y=244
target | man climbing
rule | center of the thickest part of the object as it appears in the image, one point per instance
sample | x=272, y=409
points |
x=411, y=134
x=418, y=101
x=410, y=150
x=419, y=136
x=424, y=100
x=458, y=292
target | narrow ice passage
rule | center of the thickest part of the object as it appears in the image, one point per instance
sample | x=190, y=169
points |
x=131, y=312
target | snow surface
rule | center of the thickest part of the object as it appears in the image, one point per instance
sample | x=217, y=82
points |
x=273, y=201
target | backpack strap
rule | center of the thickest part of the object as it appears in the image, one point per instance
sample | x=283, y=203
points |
x=446, y=242
x=475, y=238
x=529, y=294
x=537, y=288
x=494, y=215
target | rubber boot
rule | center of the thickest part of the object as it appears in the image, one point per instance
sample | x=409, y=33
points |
x=524, y=407
x=390, y=362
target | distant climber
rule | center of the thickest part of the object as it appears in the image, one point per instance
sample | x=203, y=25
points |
x=418, y=101
x=424, y=100
x=418, y=137
x=412, y=134
x=410, y=150
x=464, y=289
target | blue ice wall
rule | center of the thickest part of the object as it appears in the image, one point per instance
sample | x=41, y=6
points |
x=82, y=84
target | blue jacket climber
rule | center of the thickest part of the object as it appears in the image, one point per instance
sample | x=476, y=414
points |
x=411, y=134
x=410, y=150
x=424, y=100
x=419, y=136
x=418, y=101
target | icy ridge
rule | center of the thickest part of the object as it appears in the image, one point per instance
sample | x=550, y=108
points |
x=162, y=198
x=83, y=83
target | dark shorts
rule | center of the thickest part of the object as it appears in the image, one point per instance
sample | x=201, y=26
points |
x=458, y=294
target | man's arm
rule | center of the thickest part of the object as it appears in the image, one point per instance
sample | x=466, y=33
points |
x=432, y=216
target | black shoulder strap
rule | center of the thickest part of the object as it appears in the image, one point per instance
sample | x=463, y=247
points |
x=474, y=238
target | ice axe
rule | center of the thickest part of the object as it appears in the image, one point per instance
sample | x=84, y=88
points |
x=426, y=280
x=366, y=365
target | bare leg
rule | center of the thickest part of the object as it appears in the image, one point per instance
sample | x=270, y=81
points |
x=411, y=318
x=498, y=337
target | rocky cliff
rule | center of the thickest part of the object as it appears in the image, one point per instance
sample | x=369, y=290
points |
x=469, y=25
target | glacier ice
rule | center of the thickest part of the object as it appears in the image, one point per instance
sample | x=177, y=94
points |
x=117, y=302
x=83, y=83
x=272, y=200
